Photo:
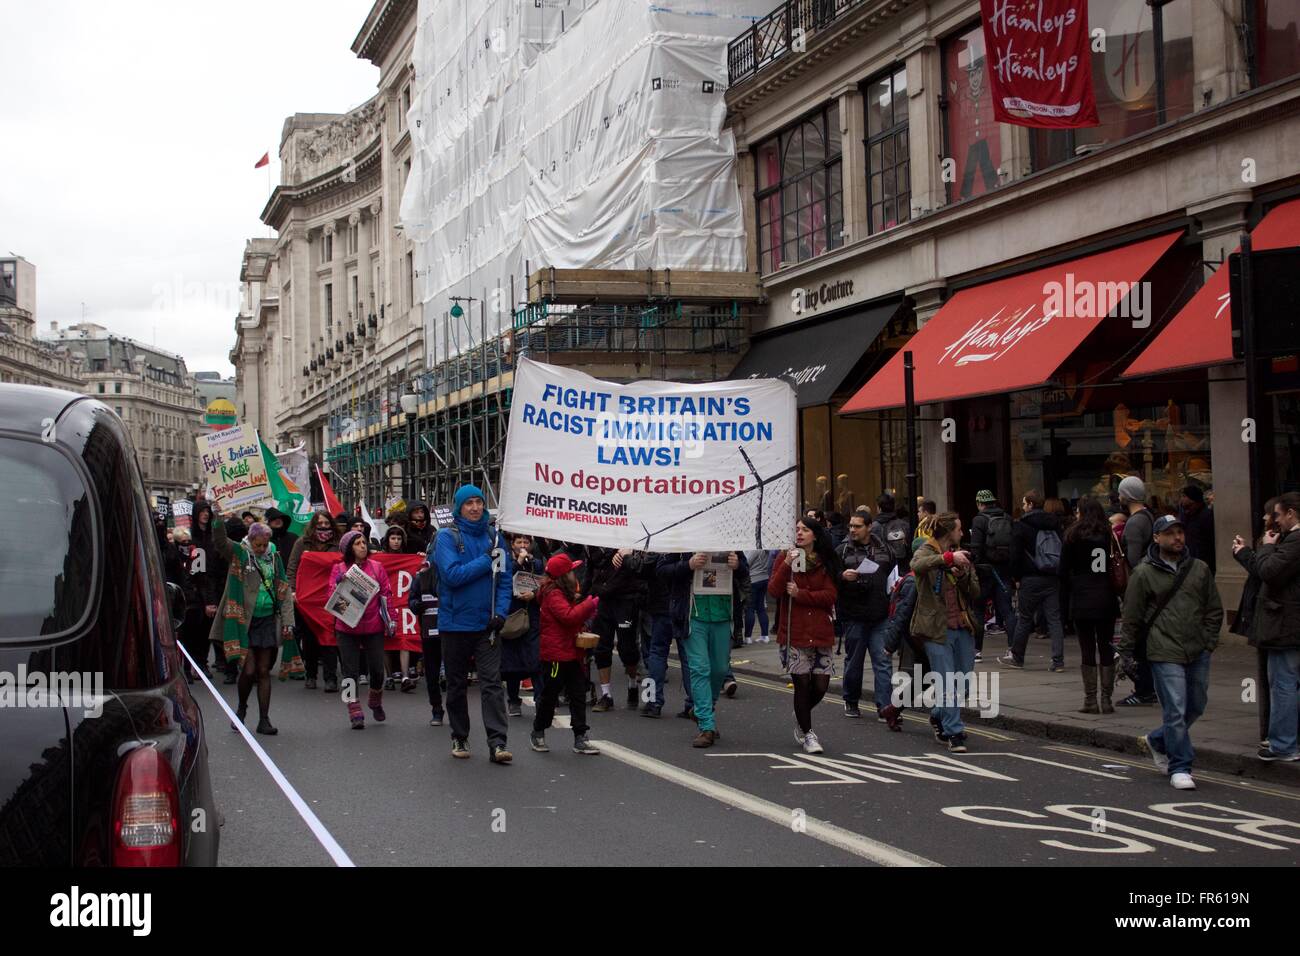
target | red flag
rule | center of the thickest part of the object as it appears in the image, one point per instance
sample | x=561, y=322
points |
x=265, y=160
x=1039, y=62
x=312, y=591
x=331, y=501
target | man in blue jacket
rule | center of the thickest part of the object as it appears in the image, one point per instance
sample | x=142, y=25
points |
x=472, y=603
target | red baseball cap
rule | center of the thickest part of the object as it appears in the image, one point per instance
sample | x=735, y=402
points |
x=561, y=564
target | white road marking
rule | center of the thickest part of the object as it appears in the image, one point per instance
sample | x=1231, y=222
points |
x=827, y=833
x=326, y=839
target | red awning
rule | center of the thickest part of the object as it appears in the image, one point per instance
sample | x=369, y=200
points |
x=1014, y=333
x=1201, y=333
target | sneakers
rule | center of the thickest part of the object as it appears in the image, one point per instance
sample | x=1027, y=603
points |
x=538, y=743
x=937, y=728
x=729, y=687
x=581, y=745
x=1159, y=759
x=633, y=697
x=651, y=710
x=604, y=704
x=264, y=727
x=811, y=745
x=1136, y=700
x=309, y=683
x=706, y=739
x=390, y=683
x=436, y=719
x=1010, y=661
x=1057, y=668
x=1267, y=753
x=851, y=710
x=798, y=735
x=500, y=755
x=748, y=639
x=979, y=657
x=515, y=708
x=957, y=744
x=459, y=748
x=408, y=684
x=1182, y=781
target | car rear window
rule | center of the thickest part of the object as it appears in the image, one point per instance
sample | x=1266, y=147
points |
x=47, y=563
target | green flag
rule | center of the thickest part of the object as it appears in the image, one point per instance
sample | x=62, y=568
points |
x=288, y=498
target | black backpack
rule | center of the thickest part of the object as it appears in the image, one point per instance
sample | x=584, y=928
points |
x=997, y=540
x=898, y=539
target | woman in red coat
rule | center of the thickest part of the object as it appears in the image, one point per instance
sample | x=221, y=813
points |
x=803, y=584
x=563, y=617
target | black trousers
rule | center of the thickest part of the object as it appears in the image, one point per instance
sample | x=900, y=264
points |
x=352, y=646
x=315, y=655
x=572, y=677
x=194, y=635
x=432, y=650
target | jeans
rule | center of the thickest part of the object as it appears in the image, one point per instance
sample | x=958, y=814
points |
x=860, y=640
x=1040, y=591
x=998, y=591
x=457, y=649
x=1182, y=689
x=949, y=661
x=708, y=651
x=757, y=607
x=1284, y=699
x=432, y=649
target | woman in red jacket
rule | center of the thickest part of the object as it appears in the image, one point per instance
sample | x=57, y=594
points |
x=805, y=629
x=563, y=617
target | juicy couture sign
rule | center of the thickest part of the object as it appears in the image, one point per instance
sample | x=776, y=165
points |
x=1039, y=62
x=835, y=293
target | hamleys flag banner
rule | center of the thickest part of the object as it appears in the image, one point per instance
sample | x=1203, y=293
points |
x=1039, y=62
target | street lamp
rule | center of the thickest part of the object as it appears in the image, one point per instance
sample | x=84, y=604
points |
x=411, y=407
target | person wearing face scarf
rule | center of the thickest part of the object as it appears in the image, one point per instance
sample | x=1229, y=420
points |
x=418, y=529
x=319, y=535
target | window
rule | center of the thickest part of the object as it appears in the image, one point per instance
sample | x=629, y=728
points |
x=374, y=232
x=971, y=137
x=101, y=388
x=326, y=249
x=353, y=232
x=1144, y=77
x=1275, y=29
x=405, y=107
x=800, y=194
x=888, y=171
x=355, y=301
x=118, y=409
x=327, y=296
x=117, y=388
x=410, y=280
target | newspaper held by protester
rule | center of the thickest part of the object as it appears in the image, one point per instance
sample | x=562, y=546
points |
x=354, y=591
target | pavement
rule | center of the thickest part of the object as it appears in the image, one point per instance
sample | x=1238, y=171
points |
x=1037, y=702
x=392, y=794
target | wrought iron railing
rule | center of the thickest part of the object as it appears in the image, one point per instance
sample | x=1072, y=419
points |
x=785, y=30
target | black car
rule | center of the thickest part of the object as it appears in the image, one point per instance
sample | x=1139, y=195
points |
x=103, y=758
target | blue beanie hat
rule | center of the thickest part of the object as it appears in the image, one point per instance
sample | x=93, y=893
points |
x=463, y=494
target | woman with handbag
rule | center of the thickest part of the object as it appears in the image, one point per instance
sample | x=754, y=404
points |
x=519, y=647
x=1089, y=558
x=563, y=617
x=368, y=636
x=803, y=582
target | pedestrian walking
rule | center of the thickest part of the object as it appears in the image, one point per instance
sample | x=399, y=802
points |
x=909, y=647
x=1276, y=562
x=947, y=585
x=1036, y=565
x=364, y=643
x=803, y=583
x=401, y=675
x=1172, y=598
x=318, y=652
x=1198, y=522
x=254, y=620
x=1137, y=535
x=520, y=659
x=615, y=576
x=473, y=598
x=423, y=602
x=710, y=619
x=1244, y=621
x=760, y=569
x=563, y=617
x=668, y=601
x=991, y=543
x=863, y=611
x=1087, y=556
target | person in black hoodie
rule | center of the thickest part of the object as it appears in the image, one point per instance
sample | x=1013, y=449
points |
x=519, y=657
x=418, y=530
x=210, y=567
x=1085, y=570
x=281, y=536
x=615, y=576
x=1036, y=565
x=991, y=543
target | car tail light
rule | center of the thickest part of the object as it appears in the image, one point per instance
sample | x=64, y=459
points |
x=146, y=812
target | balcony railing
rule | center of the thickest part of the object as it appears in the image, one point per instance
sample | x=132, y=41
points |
x=785, y=30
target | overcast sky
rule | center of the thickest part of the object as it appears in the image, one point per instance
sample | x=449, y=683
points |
x=129, y=134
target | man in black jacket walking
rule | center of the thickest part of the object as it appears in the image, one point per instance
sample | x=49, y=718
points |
x=864, y=612
x=1036, y=565
x=991, y=543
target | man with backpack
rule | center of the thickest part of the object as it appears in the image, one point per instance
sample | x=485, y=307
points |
x=864, y=611
x=1137, y=542
x=1036, y=565
x=991, y=536
x=1172, y=600
x=892, y=528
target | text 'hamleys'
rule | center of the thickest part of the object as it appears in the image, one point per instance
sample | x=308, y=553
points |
x=990, y=339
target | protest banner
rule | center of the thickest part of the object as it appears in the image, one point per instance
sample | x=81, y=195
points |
x=659, y=466
x=183, y=513
x=233, y=467
x=312, y=591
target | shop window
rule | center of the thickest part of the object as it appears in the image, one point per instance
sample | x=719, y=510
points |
x=847, y=462
x=888, y=170
x=971, y=136
x=800, y=195
x=1143, y=78
x=1275, y=30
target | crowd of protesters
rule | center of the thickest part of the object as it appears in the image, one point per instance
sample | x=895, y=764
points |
x=1134, y=586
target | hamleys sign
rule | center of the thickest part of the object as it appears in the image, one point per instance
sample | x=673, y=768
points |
x=988, y=340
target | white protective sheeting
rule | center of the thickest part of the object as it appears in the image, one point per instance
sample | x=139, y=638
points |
x=567, y=133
